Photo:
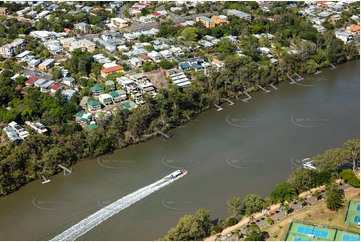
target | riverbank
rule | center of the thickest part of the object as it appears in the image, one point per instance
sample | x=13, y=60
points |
x=72, y=159
x=315, y=212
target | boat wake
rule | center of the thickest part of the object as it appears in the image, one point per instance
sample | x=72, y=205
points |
x=103, y=214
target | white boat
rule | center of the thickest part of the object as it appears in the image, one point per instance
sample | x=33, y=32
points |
x=45, y=180
x=307, y=163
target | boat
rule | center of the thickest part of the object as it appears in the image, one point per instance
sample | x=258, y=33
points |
x=307, y=164
x=176, y=175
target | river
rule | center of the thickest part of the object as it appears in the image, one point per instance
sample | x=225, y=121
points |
x=246, y=148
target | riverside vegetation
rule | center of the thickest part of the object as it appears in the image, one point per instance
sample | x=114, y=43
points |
x=331, y=164
x=68, y=142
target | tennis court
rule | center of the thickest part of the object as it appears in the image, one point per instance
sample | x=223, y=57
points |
x=353, y=213
x=302, y=232
x=346, y=236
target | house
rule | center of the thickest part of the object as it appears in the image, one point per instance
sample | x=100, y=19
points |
x=136, y=62
x=19, y=130
x=40, y=82
x=4, y=11
x=144, y=57
x=11, y=134
x=9, y=50
x=34, y=63
x=179, y=78
x=166, y=54
x=344, y=36
x=97, y=90
x=239, y=14
x=45, y=87
x=113, y=37
x=84, y=101
x=111, y=70
x=90, y=46
x=53, y=46
x=69, y=81
x=83, y=118
x=110, y=84
x=94, y=105
x=119, y=22
x=105, y=99
x=354, y=28
x=337, y=8
x=23, y=54
x=82, y=27
x=155, y=56
x=108, y=46
x=218, y=63
x=37, y=126
x=118, y=95
x=30, y=81
x=68, y=93
x=129, y=105
x=55, y=87
x=46, y=64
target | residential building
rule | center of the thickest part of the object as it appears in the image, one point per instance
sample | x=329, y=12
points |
x=31, y=80
x=46, y=64
x=207, y=22
x=9, y=50
x=97, y=90
x=90, y=46
x=37, y=126
x=11, y=134
x=94, y=105
x=34, y=63
x=19, y=130
x=118, y=95
x=55, y=87
x=82, y=27
x=136, y=62
x=105, y=99
x=119, y=23
x=344, y=36
x=83, y=118
x=239, y=14
x=335, y=18
x=69, y=81
x=219, y=20
x=45, y=87
x=68, y=93
x=110, y=84
x=110, y=71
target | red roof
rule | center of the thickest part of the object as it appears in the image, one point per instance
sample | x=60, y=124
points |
x=179, y=25
x=156, y=14
x=31, y=80
x=144, y=57
x=321, y=2
x=55, y=86
x=66, y=30
x=111, y=69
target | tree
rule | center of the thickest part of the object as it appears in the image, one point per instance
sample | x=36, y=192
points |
x=253, y=203
x=190, y=33
x=165, y=64
x=353, y=146
x=349, y=176
x=335, y=197
x=226, y=46
x=283, y=192
x=235, y=205
x=301, y=179
x=254, y=233
x=55, y=73
x=332, y=160
x=190, y=227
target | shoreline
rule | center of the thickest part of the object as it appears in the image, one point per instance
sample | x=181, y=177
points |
x=147, y=137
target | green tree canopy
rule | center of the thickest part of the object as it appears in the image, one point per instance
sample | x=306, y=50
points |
x=253, y=203
x=335, y=197
x=283, y=192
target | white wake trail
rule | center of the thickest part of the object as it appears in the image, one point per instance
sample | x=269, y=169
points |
x=103, y=214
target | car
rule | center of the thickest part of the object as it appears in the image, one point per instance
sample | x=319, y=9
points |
x=277, y=211
x=271, y=214
x=257, y=221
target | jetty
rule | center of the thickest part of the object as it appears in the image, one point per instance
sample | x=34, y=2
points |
x=165, y=136
x=45, y=180
x=248, y=97
x=263, y=89
x=273, y=86
x=219, y=107
x=333, y=66
x=300, y=78
x=66, y=170
x=230, y=102
x=292, y=81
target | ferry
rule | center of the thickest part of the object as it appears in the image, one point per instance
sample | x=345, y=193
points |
x=176, y=175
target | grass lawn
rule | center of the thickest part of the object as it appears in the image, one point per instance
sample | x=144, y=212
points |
x=315, y=214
